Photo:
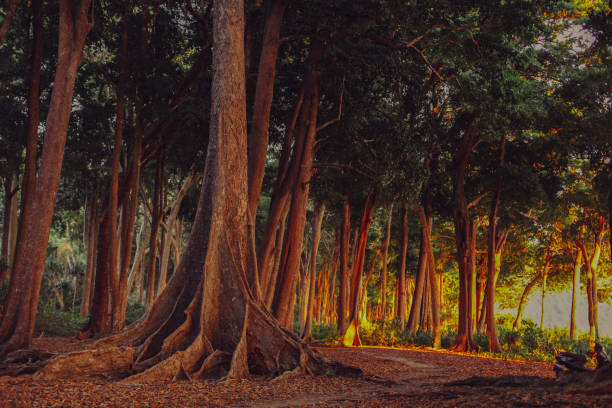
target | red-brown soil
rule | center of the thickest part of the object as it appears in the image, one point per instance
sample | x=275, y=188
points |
x=394, y=378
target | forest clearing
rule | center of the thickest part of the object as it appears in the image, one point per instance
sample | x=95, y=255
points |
x=321, y=202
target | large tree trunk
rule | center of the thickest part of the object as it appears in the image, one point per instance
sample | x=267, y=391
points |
x=464, y=340
x=345, y=234
x=264, y=92
x=383, y=283
x=18, y=323
x=207, y=322
x=317, y=221
x=575, y=293
x=351, y=336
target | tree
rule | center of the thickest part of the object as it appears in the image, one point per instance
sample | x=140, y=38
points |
x=17, y=325
x=210, y=320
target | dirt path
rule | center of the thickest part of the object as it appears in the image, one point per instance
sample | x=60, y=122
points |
x=395, y=378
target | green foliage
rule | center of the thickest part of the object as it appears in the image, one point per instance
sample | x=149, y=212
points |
x=51, y=322
x=133, y=312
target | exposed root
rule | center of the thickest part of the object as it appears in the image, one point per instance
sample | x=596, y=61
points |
x=24, y=362
x=113, y=362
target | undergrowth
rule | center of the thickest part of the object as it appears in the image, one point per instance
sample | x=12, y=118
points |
x=529, y=343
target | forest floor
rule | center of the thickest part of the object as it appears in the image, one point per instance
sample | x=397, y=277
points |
x=393, y=378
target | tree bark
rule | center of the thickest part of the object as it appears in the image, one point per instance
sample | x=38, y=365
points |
x=282, y=305
x=383, y=284
x=345, y=234
x=18, y=324
x=464, y=340
x=262, y=103
x=351, y=336
x=575, y=293
x=156, y=218
x=92, y=231
x=496, y=241
x=287, y=174
x=401, y=287
x=31, y=161
x=317, y=221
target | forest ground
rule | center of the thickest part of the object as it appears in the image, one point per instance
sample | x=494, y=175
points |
x=393, y=378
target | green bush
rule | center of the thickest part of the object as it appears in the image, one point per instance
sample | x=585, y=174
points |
x=133, y=312
x=51, y=322
x=528, y=343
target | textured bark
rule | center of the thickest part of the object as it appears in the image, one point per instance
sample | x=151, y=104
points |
x=383, y=284
x=262, y=103
x=464, y=340
x=207, y=322
x=342, y=307
x=317, y=221
x=18, y=324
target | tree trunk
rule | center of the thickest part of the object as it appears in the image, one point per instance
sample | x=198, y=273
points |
x=31, y=162
x=417, y=298
x=317, y=221
x=92, y=235
x=285, y=179
x=18, y=323
x=401, y=284
x=531, y=284
x=383, y=284
x=351, y=336
x=278, y=249
x=207, y=322
x=345, y=235
x=6, y=255
x=464, y=340
x=156, y=218
x=496, y=241
x=171, y=224
x=575, y=293
x=292, y=250
x=262, y=103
